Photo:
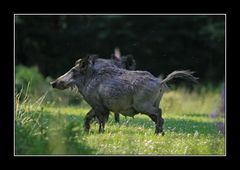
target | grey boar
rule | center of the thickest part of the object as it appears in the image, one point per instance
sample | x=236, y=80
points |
x=118, y=90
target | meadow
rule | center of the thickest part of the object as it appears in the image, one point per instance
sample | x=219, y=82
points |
x=49, y=125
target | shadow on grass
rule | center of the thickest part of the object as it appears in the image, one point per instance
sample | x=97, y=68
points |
x=197, y=115
x=175, y=125
x=190, y=126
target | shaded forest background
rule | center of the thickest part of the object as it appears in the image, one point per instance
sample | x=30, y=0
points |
x=160, y=44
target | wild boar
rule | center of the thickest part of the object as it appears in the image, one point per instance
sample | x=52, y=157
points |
x=118, y=90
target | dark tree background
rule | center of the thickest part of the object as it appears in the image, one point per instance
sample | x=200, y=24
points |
x=160, y=44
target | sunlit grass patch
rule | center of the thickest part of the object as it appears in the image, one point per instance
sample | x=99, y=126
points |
x=183, y=101
x=69, y=110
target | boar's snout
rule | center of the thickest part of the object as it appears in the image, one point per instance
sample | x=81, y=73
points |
x=58, y=84
x=53, y=84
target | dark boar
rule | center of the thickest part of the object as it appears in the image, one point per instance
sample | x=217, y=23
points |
x=118, y=90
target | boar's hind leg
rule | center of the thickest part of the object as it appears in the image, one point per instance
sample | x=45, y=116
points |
x=90, y=115
x=160, y=122
x=156, y=115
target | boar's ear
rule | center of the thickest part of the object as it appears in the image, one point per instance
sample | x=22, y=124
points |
x=91, y=59
x=130, y=62
x=115, y=57
x=86, y=62
x=82, y=64
x=117, y=54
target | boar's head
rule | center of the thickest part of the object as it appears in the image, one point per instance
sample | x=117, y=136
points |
x=76, y=74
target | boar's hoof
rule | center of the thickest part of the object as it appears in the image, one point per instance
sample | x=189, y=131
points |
x=159, y=130
x=86, y=128
x=100, y=130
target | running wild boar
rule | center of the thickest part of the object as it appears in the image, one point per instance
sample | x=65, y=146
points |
x=110, y=88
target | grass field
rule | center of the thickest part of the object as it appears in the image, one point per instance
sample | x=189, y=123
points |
x=42, y=129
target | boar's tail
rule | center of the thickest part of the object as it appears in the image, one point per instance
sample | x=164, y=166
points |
x=185, y=74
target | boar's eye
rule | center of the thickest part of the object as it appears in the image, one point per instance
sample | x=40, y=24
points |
x=75, y=73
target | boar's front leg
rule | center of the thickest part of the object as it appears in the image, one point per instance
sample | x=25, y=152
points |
x=101, y=122
x=116, y=117
x=102, y=119
x=90, y=115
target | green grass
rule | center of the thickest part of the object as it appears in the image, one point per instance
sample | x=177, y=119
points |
x=48, y=129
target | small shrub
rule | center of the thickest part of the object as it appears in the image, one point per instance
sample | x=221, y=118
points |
x=28, y=79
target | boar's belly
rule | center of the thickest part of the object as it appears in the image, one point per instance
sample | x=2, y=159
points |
x=118, y=104
x=129, y=112
x=116, y=95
